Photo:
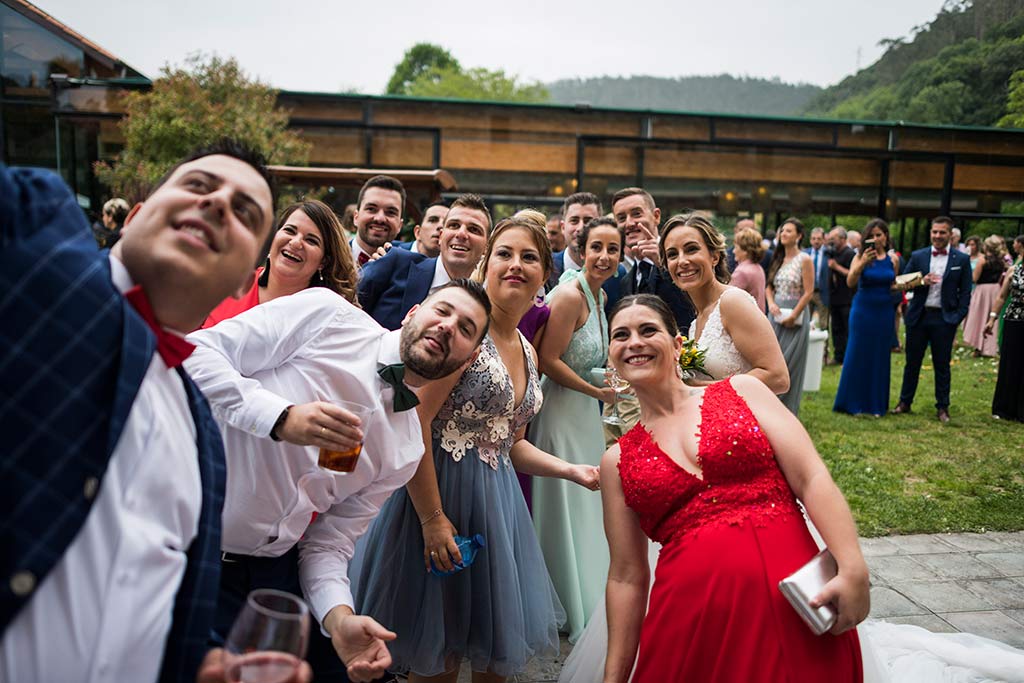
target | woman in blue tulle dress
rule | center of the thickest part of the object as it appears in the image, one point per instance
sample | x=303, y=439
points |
x=864, y=383
x=502, y=610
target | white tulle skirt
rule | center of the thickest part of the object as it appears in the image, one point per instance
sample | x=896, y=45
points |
x=893, y=653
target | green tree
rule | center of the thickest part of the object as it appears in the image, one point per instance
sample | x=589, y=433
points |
x=1014, y=117
x=419, y=59
x=476, y=84
x=208, y=99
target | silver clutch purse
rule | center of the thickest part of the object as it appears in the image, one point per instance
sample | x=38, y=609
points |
x=806, y=582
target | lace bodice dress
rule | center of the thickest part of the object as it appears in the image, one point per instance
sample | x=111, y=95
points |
x=721, y=357
x=730, y=534
x=502, y=610
x=481, y=417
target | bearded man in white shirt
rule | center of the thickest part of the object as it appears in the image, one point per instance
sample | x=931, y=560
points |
x=270, y=375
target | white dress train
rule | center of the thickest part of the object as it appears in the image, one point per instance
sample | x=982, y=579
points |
x=892, y=653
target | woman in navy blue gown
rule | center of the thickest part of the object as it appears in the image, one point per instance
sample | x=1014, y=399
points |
x=864, y=384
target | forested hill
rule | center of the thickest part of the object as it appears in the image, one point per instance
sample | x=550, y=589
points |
x=957, y=69
x=719, y=94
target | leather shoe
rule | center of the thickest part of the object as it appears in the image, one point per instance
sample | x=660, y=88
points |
x=943, y=415
x=902, y=408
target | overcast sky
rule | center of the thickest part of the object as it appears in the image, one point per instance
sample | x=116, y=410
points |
x=333, y=45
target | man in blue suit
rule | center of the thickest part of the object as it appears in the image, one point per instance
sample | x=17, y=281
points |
x=391, y=285
x=427, y=233
x=578, y=209
x=114, y=468
x=819, y=259
x=934, y=313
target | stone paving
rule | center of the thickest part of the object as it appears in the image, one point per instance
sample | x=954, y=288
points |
x=941, y=582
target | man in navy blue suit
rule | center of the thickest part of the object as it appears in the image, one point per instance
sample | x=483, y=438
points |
x=391, y=285
x=114, y=467
x=935, y=311
x=819, y=259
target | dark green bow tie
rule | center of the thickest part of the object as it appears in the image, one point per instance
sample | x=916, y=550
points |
x=404, y=398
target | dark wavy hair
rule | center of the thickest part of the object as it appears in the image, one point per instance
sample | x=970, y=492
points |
x=337, y=270
x=651, y=301
x=779, y=255
x=600, y=221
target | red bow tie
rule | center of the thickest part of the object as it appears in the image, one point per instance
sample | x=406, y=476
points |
x=172, y=348
x=363, y=258
x=939, y=252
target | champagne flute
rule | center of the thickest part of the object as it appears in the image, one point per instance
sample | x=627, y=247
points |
x=620, y=385
x=268, y=639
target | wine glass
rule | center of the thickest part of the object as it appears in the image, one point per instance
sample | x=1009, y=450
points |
x=268, y=639
x=615, y=381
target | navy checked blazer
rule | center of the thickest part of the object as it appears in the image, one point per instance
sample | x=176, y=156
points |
x=74, y=353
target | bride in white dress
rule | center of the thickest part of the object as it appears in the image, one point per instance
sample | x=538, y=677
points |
x=733, y=344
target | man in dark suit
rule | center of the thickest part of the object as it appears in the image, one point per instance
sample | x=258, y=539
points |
x=840, y=293
x=114, y=467
x=935, y=311
x=819, y=259
x=635, y=212
x=427, y=233
x=394, y=283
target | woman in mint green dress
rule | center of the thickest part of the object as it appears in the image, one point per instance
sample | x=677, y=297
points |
x=569, y=522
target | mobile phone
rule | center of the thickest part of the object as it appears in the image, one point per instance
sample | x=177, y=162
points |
x=868, y=244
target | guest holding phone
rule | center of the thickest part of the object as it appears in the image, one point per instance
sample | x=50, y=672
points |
x=864, y=383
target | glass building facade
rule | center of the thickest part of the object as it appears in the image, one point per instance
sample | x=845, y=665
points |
x=60, y=106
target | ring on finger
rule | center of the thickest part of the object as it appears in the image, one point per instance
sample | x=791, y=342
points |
x=433, y=553
x=323, y=430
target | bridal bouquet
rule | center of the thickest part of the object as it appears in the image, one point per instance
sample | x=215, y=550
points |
x=691, y=359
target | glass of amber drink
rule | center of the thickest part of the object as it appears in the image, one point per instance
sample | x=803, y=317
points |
x=346, y=460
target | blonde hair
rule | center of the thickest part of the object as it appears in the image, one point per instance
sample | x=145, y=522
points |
x=749, y=240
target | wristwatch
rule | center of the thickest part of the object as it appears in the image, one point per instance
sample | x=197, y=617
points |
x=280, y=421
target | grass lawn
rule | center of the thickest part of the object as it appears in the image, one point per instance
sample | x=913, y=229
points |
x=907, y=474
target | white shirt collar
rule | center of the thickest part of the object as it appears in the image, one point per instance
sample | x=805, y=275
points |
x=441, y=276
x=569, y=262
x=415, y=247
x=357, y=250
x=123, y=281
x=389, y=348
x=119, y=275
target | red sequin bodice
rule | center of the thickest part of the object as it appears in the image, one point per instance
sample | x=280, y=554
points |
x=741, y=480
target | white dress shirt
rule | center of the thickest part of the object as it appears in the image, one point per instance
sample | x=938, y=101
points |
x=104, y=611
x=937, y=266
x=415, y=247
x=441, y=276
x=569, y=263
x=313, y=345
x=357, y=250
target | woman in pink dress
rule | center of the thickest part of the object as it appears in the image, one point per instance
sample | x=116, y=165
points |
x=749, y=275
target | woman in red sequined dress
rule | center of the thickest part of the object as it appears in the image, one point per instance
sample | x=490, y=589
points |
x=713, y=474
